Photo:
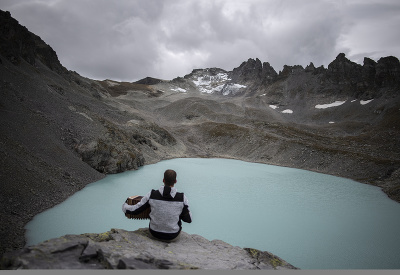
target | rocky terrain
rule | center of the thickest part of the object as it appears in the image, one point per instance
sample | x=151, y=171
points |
x=60, y=131
x=121, y=249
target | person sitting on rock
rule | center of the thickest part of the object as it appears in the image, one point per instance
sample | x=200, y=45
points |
x=168, y=209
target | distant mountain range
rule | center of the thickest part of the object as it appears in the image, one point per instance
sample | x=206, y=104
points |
x=60, y=131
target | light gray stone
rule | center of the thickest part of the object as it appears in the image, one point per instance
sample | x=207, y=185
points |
x=121, y=249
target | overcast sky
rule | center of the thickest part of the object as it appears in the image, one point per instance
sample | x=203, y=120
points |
x=127, y=40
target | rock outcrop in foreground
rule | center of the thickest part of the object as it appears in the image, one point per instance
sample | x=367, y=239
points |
x=121, y=249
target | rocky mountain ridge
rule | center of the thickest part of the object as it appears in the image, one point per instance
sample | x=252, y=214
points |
x=349, y=78
x=61, y=131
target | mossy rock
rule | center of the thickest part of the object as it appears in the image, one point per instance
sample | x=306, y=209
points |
x=99, y=237
x=267, y=258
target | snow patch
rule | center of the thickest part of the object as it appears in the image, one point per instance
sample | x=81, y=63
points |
x=331, y=122
x=287, y=111
x=112, y=83
x=179, y=90
x=334, y=104
x=274, y=107
x=133, y=122
x=209, y=79
x=238, y=86
x=73, y=109
x=363, y=102
x=232, y=88
x=210, y=84
x=216, y=83
x=85, y=115
x=210, y=90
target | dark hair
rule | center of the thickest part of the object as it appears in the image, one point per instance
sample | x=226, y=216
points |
x=169, y=177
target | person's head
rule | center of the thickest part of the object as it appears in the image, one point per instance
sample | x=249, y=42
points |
x=169, y=177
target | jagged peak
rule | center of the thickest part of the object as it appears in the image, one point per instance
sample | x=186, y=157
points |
x=18, y=43
x=268, y=69
x=149, y=81
x=310, y=67
x=340, y=61
x=389, y=60
x=369, y=62
x=341, y=56
x=211, y=71
x=251, y=64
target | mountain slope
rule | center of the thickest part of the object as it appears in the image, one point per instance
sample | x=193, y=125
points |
x=57, y=133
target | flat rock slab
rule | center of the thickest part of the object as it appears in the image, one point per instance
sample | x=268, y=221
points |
x=121, y=249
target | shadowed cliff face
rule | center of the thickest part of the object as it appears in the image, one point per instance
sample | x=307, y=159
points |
x=60, y=131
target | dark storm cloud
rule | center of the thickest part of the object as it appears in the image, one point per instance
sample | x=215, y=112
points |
x=128, y=40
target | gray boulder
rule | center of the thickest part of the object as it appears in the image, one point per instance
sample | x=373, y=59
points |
x=121, y=249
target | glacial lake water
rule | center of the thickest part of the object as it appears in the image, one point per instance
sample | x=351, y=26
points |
x=311, y=220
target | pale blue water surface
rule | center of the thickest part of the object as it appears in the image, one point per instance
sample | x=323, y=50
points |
x=311, y=220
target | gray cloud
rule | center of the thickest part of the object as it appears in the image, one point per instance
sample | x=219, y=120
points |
x=128, y=40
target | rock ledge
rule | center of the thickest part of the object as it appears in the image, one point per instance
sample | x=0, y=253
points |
x=121, y=249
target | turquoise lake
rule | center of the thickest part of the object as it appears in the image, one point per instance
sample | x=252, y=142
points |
x=311, y=220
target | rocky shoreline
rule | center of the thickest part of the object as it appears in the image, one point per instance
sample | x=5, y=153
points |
x=16, y=223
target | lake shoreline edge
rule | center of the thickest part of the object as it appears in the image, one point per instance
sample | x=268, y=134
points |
x=20, y=231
